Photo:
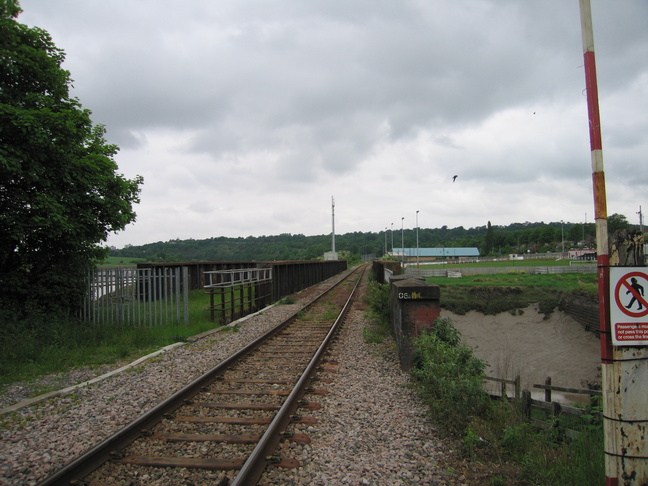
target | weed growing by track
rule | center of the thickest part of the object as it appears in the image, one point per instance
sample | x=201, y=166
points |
x=377, y=313
x=449, y=377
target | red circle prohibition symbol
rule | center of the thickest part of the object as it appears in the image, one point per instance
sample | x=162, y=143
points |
x=623, y=283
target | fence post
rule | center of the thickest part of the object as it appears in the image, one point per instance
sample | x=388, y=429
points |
x=526, y=404
x=548, y=390
x=555, y=409
x=517, y=387
x=185, y=293
x=176, y=291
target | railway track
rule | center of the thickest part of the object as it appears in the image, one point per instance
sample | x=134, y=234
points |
x=224, y=427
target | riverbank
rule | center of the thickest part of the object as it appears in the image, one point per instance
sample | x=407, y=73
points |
x=532, y=346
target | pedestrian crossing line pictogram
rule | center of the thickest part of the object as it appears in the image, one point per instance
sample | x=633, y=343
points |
x=629, y=288
x=629, y=306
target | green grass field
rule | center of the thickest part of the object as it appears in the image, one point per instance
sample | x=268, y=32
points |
x=508, y=263
x=507, y=292
x=113, y=261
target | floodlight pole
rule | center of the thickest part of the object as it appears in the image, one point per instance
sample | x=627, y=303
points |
x=333, y=224
x=386, y=240
x=417, y=241
x=403, y=240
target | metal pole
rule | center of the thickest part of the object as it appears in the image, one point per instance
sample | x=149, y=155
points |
x=417, y=242
x=622, y=367
x=185, y=293
x=640, y=220
x=392, y=235
x=385, y=240
x=403, y=239
x=333, y=224
x=600, y=217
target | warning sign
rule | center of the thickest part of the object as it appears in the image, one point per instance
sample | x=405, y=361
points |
x=629, y=306
x=631, y=332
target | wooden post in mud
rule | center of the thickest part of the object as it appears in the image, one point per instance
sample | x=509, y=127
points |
x=548, y=390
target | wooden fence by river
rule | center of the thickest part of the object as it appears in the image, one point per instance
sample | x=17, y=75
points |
x=548, y=407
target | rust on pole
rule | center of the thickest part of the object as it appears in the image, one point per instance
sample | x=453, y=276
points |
x=624, y=371
x=600, y=216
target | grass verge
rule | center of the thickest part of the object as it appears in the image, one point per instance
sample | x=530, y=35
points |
x=27, y=352
x=377, y=313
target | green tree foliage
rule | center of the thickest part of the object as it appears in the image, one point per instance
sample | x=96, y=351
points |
x=515, y=238
x=617, y=222
x=60, y=194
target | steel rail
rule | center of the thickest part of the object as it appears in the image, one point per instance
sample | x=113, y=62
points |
x=260, y=457
x=79, y=468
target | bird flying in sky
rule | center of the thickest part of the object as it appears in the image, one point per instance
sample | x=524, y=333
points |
x=454, y=178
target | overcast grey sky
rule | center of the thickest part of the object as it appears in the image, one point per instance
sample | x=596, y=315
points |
x=246, y=116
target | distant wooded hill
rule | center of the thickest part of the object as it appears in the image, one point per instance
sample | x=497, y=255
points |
x=490, y=240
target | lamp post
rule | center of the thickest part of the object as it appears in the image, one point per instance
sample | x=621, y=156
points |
x=417, y=241
x=392, y=235
x=385, y=240
x=562, y=235
x=403, y=239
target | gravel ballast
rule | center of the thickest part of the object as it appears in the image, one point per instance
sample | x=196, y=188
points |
x=371, y=429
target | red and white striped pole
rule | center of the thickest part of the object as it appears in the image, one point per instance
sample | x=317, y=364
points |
x=624, y=369
x=600, y=215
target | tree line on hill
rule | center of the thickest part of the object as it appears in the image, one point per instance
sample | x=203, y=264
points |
x=489, y=239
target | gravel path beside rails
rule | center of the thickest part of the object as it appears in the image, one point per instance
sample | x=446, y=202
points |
x=371, y=429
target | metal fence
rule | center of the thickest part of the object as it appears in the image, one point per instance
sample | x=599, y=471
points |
x=137, y=297
x=237, y=292
x=470, y=271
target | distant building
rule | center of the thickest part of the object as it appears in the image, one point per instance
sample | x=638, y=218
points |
x=434, y=254
x=582, y=254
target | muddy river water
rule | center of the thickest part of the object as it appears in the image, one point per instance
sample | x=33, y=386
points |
x=534, y=348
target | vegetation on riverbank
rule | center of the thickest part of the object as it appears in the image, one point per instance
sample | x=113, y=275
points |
x=511, y=292
x=495, y=443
